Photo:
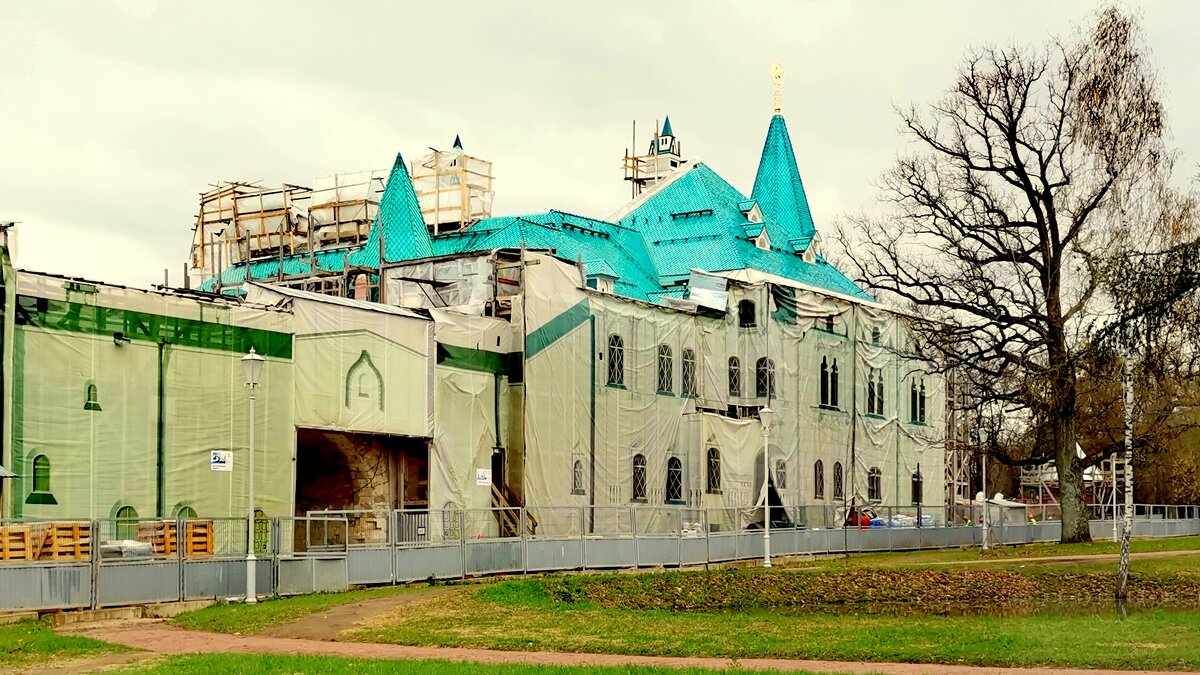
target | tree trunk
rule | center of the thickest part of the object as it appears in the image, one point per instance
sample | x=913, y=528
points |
x=1075, y=513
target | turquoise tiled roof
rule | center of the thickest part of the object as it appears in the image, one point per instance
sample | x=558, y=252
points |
x=777, y=186
x=694, y=220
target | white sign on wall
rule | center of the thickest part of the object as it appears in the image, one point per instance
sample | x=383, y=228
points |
x=483, y=476
x=222, y=460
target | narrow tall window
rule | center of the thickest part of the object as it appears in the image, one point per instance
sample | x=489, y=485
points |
x=781, y=474
x=577, y=478
x=639, y=477
x=833, y=384
x=666, y=370
x=819, y=480
x=912, y=401
x=764, y=380
x=839, y=484
x=829, y=323
x=871, y=392
x=746, y=314
x=735, y=376
x=879, y=394
x=688, y=386
x=875, y=336
x=92, y=402
x=921, y=403
x=41, y=473
x=824, y=381
x=917, y=487
x=713, y=483
x=875, y=484
x=616, y=360
x=674, y=491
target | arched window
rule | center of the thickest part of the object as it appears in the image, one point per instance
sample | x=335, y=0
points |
x=921, y=403
x=829, y=323
x=819, y=480
x=824, y=381
x=713, y=483
x=577, y=477
x=639, y=477
x=746, y=314
x=262, y=531
x=781, y=474
x=918, y=487
x=666, y=370
x=616, y=360
x=839, y=484
x=912, y=401
x=764, y=380
x=735, y=376
x=875, y=484
x=833, y=384
x=688, y=386
x=41, y=473
x=871, y=392
x=674, y=492
x=125, y=526
x=185, y=512
x=92, y=402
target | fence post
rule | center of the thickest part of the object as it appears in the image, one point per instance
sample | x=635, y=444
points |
x=679, y=533
x=180, y=551
x=95, y=565
x=637, y=551
x=524, y=541
x=583, y=538
x=462, y=540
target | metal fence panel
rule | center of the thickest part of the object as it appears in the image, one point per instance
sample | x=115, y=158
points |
x=312, y=574
x=225, y=578
x=369, y=565
x=693, y=550
x=722, y=546
x=609, y=552
x=134, y=583
x=442, y=561
x=45, y=586
x=491, y=556
x=545, y=555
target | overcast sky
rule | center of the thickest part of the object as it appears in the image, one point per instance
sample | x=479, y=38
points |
x=114, y=116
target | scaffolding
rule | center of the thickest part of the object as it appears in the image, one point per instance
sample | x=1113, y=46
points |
x=663, y=157
x=453, y=188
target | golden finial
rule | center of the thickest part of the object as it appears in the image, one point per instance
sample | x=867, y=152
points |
x=777, y=75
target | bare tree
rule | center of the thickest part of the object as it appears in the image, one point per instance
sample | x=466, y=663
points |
x=1003, y=217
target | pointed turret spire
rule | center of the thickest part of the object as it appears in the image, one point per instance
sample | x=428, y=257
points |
x=666, y=130
x=777, y=186
x=457, y=142
x=399, y=225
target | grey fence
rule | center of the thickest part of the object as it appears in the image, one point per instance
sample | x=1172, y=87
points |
x=108, y=563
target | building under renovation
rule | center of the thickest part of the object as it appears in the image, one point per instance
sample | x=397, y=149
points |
x=424, y=354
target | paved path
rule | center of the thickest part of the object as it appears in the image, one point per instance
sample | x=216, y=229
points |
x=160, y=638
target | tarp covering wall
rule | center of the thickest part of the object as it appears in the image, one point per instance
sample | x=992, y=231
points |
x=92, y=365
x=360, y=366
x=641, y=419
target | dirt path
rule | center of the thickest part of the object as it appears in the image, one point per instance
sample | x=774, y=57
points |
x=1094, y=557
x=328, y=624
x=159, y=638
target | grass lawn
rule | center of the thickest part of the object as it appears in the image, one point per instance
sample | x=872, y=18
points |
x=516, y=616
x=243, y=619
x=287, y=665
x=29, y=641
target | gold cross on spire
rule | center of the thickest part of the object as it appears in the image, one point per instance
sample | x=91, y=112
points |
x=777, y=75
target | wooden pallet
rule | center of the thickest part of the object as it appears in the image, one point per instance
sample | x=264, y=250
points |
x=45, y=541
x=198, y=538
x=163, y=537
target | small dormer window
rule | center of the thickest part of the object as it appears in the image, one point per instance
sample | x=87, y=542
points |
x=601, y=283
x=754, y=215
x=762, y=241
x=809, y=256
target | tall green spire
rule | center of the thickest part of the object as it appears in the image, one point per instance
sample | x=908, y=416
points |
x=399, y=222
x=777, y=186
x=666, y=130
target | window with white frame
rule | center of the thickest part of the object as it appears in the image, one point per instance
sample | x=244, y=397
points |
x=839, y=483
x=639, y=477
x=666, y=370
x=713, y=475
x=674, y=492
x=616, y=360
x=687, y=386
x=781, y=474
x=875, y=484
x=735, y=377
x=819, y=480
x=764, y=380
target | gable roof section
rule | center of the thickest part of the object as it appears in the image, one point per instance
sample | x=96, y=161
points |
x=777, y=185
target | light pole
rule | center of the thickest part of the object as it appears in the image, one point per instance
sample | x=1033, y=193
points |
x=252, y=365
x=765, y=416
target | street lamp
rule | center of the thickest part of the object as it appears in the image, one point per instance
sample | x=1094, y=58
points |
x=765, y=416
x=252, y=365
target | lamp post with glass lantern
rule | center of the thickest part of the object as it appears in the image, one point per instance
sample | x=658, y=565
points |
x=765, y=416
x=252, y=365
